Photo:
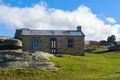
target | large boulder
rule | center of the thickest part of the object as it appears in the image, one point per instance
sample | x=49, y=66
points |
x=15, y=59
x=11, y=44
x=14, y=42
x=15, y=64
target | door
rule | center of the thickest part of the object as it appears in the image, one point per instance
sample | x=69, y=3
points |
x=53, y=45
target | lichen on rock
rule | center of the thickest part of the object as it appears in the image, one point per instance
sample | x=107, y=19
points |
x=36, y=60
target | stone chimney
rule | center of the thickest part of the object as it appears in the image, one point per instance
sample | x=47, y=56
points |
x=18, y=33
x=78, y=28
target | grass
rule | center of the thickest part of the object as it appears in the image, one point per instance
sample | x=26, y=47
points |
x=105, y=66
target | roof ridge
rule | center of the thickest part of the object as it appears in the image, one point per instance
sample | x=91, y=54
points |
x=53, y=32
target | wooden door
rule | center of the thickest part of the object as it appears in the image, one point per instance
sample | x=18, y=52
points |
x=53, y=45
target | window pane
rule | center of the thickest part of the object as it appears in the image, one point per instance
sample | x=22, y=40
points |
x=71, y=40
x=70, y=43
x=68, y=40
x=36, y=43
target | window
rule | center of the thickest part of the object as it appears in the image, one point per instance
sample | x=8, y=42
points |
x=70, y=43
x=36, y=43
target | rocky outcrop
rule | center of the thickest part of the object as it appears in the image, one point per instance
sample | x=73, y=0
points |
x=10, y=44
x=15, y=59
x=114, y=48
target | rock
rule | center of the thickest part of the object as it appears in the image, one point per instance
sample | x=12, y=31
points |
x=11, y=44
x=14, y=42
x=44, y=66
x=15, y=59
x=16, y=64
x=114, y=48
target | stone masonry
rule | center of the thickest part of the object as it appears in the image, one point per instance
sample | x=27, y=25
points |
x=78, y=48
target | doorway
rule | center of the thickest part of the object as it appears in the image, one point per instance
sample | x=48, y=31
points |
x=53, y=45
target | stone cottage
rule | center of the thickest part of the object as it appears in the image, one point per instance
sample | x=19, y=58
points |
x=52, y=41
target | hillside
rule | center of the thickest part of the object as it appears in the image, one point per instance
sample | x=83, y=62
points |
x=102, y=66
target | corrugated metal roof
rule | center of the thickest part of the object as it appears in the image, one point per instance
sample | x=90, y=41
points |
x=53, y=32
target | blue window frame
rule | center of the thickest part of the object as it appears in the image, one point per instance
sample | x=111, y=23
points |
x=36, y=43
x=70, y=43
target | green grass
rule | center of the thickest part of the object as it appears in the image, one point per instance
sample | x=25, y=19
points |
x=104, y=66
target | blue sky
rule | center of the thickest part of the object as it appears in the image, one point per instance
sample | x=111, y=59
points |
x=101, y=12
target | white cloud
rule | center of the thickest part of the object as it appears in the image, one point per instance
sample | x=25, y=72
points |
x=110, y=20
x=42, y=17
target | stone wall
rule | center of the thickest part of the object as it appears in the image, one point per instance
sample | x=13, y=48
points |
x=62, y=43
